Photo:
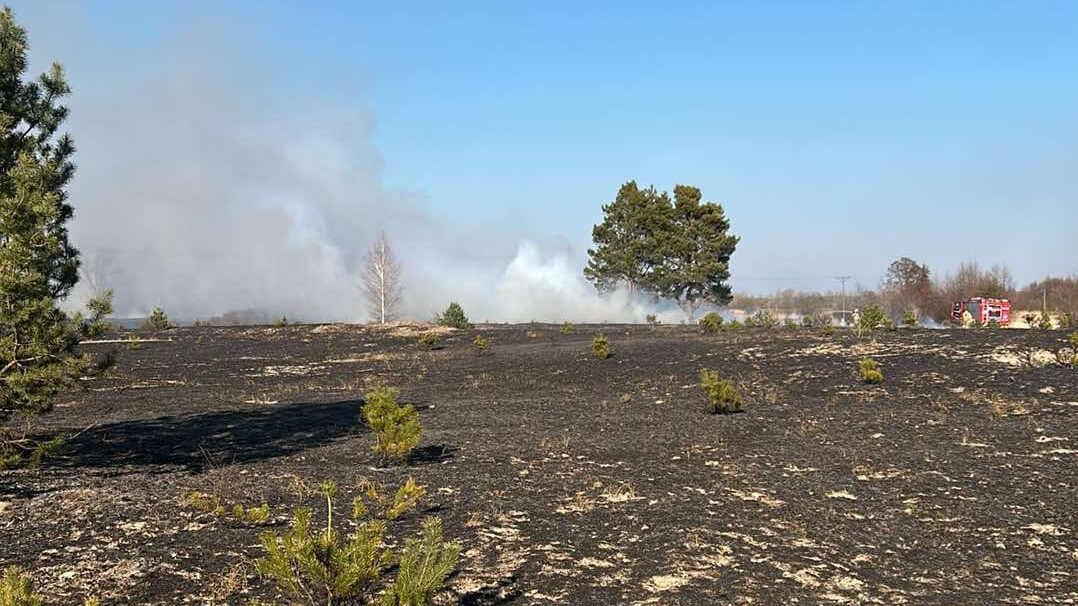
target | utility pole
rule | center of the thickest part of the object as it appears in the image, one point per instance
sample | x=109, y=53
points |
x=843, y=280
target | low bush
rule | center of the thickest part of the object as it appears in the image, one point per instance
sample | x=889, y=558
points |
x=789, y=324
x=763, y=318
x=910, y=317
x=481, y=343
x=323, y=567
x=396, y=428
x=454, y=317
x=376, y=502
x=872, y=317
x=93, y=324
x=721, y=394
x=567, y=328
x=1065, y=320
x=600, y=347
x=211, y=503
x=428, y=340
x=870, y=371
x=732, y=326
x=158, y=320
x=711, y=322
x=1045, y=321
x=282, y=321
x=651, y=319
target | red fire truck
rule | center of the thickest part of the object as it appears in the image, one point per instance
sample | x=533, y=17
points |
x=983, y=310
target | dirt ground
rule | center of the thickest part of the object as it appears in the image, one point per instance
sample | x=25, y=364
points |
x=572, y=480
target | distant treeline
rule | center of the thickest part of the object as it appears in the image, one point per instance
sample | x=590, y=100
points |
x=910, y=285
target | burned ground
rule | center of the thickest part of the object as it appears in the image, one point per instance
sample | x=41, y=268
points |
x=572, y=480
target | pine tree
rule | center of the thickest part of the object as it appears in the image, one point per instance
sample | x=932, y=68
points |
x=633, y=228
x=694, y=253
x=454, y=317
x=38, y=266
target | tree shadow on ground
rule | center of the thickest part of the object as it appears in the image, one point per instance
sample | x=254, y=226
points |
x=435, y=453
x=207, y=440
x=502, y=592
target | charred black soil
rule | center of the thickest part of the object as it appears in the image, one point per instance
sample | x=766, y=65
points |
x=572, y=480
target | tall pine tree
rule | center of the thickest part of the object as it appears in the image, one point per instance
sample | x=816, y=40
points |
x=694, y=254
x=38, y=266
x=627, y=240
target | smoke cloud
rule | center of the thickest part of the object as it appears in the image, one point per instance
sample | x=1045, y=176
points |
x=203, y=189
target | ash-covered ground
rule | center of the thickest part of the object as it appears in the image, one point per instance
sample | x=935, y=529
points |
x=573, y=480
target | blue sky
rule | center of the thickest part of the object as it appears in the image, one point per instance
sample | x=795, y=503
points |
x=838, y=135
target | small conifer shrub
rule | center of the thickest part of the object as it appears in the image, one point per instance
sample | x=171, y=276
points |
x=872, y=317
x=711, y=322
x=481, y=344
x=158, y=320
x=16, y=589
x=763, y=318
x=396, y=428
x=567, y=328
x=722, y=396
x=428, y=340
x=422, y=567
x=320, y=566
x=909, y=318
x=600, y=347
x=211, y=503
x=454, y=317
x=1045, y=321
x=870, y=371
x=1065, y=320
x=732, y=326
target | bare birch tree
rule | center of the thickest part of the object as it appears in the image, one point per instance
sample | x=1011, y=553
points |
x=382, y=281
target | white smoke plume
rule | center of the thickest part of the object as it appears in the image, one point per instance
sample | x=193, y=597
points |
x=204, y=190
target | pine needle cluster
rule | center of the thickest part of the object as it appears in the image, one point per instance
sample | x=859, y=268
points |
x=396, y=428
x=320, y=566
x=600, y=347
x=722, y=396
x=870, y=371
x=711, y=322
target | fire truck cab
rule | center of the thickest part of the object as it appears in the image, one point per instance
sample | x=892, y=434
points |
x=983, y=310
